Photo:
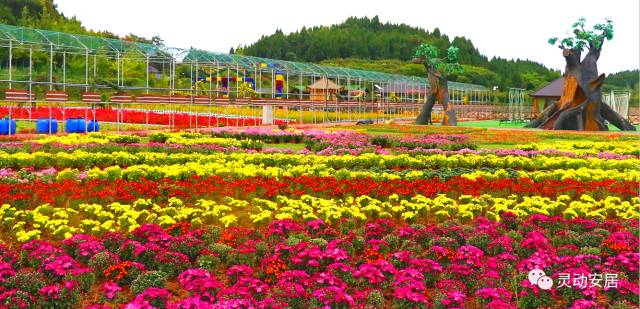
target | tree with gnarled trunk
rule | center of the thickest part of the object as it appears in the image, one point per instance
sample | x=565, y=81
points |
x=580, y=107
x=438, y=71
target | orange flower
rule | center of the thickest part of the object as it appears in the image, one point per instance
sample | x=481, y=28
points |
x=275, y=268
x=371, y=255
x=118, y=271
x=228, y=239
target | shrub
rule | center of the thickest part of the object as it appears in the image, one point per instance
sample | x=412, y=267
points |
x=590, y=250
x=124, y=139
x=375, y=299
x=188, y=245
x=209, y=262
x=158, y=137
x=321, y=242
x=101, y=261
x=27, y=281
x=221, y=249
x=172, y=263
x=480, y=241
x=382, y=141
x=148, y=279
x=211, y=234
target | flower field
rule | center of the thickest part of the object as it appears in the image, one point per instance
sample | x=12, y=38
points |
x=319, y=218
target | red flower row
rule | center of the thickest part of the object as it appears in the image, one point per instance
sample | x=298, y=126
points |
x=131, y=116
x=35, y=193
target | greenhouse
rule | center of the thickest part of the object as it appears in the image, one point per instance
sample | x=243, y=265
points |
x=41, y=66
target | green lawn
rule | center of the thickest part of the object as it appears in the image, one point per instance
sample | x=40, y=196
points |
x=492, y=124
x=511, y=125
x=292, y=146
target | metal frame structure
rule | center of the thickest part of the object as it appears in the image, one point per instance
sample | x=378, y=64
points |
x=618, y=100
x=517, y=102
x=182, y=71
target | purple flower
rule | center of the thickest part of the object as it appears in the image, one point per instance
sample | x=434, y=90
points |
x=239, y=271
x=111, y=289
x=194, y=302
x=282, y=227
x=51, y=291
x=59, y=265
x=333, y=295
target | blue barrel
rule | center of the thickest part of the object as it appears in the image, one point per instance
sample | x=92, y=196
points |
x=7, y=126
x=93, y=126
x=47, y=126
x=81, y=125
x=76, y=125
x=71, y=125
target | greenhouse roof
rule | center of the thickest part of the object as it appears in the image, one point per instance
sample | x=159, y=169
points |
x=80, y=42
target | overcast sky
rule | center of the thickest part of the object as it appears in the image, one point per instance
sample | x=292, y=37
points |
x=509, y=29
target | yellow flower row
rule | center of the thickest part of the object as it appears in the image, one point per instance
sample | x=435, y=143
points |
x=175, y=138
x=80, y=139
x=63, y=222
x=80, y=158
x=171, y=138
x=239, y=170
x=581, y=174
x=587, y=147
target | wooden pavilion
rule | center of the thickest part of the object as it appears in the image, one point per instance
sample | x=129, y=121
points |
x=323, y=89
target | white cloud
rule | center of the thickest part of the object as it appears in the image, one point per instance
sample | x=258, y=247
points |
x=509, y=29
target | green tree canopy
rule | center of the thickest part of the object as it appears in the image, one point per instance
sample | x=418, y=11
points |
x=582, y=38
x=429, y=56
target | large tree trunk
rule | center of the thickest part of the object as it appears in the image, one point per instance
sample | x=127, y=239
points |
x=580, y=107
x=438, y=92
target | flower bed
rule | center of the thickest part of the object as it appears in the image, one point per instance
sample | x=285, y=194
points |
x=313, y=264
x=221, y=220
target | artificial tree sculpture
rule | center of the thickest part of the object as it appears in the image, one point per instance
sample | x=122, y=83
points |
x=438, y=71
x=580, y=107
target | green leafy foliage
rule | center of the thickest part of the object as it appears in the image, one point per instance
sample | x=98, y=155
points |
x=452, y=54
x=586, y=38
x=148, y=279
x=448, y=65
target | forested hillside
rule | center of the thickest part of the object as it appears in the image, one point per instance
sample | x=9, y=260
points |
x=369, y=44
x=43, y=14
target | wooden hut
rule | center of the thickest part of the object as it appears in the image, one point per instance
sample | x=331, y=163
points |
x=549, y=94
x=323, y=89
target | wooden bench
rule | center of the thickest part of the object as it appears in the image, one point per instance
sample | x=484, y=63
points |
x=201, y=99
x=152, y=98
x=56, y=96
x=122, y=98
x=179, y=99
x=91, y=97
x=19, y=95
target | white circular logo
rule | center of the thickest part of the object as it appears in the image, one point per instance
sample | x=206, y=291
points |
x=534, y=275
x=545, y=283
